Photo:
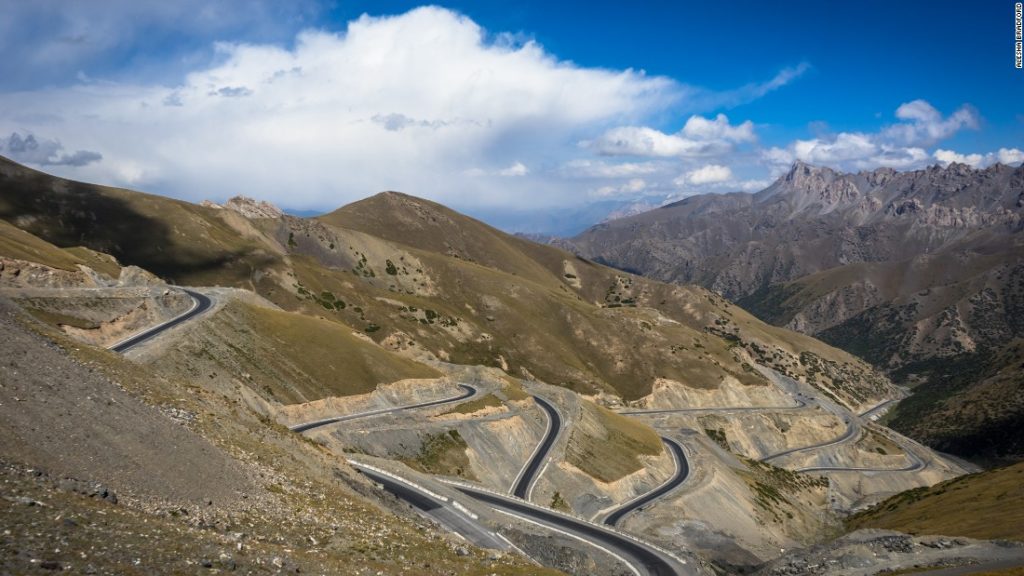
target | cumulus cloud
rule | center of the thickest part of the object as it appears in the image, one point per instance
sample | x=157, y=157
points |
x=924, y=125
x=710, y=174
x=699, y=137
x=29, y=149
x=410, y=102
x=900, y=145
x=1008, y=156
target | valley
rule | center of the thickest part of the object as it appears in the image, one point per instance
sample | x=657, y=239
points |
x=396, y=384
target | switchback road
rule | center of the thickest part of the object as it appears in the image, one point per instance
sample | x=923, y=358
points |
x=200, y=304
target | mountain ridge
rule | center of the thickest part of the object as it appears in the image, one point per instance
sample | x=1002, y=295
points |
x=905, y=269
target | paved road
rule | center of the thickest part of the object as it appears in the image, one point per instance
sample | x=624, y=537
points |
x=200, y=304
x=528, y=475
x=852, y=429
x=468, y=392
x=799, y=404
x=867, y=414
x=682, y=472
x=916, y=463
x=642, y=558
x=441, y=510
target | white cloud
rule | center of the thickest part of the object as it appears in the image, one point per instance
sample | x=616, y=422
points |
x=411, y=102
x=900, y=145
x=710, y=174
x=948, y=157
x=700, y=128
x=924, y=125
x=700, y=137
x=1009, y=156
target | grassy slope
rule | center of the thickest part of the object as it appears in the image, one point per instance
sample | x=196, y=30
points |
x=567, y=319
x=614, y=449
x=19, y=244
x=290, y=357
x=985, y=505
x=496, y=299
x=183, y=242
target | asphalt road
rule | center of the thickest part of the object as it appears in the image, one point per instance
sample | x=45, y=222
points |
x=644, y=559
x=200, y=304
x=799, y=404
x=852, y=429
x=916, y=463
x=869, y=413
x=682, y=472
x=528, y=475
x=441, y=511
x=468, y=392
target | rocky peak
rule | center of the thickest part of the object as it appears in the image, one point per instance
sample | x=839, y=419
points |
x=806, y=185
x=248, y=207
x=802, y=172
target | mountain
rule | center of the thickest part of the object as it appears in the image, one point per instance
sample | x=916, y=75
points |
x=411, y=273
x=395, y=336
x=921, y=273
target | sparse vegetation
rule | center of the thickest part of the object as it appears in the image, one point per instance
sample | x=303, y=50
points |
x=485, y=401
x=445, y=454
x=559, y=503
x=608, y=446
x=718, y=435
x=297, y=357
x=989, y=504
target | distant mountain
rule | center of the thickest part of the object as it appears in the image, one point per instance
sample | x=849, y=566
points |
x=921, y=273
x=559, y=221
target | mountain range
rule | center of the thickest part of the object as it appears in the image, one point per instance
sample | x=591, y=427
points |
x=921, y=273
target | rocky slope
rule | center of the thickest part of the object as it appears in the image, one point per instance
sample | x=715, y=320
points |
x=921, y=273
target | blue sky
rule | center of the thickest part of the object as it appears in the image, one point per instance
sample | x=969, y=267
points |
x=507, y=110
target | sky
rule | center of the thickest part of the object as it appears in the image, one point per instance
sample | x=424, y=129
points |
x=535, y=116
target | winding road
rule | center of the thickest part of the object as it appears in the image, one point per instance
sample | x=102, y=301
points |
x=444, y=510
x=799, y=404
x=200, y=303
x=916, y=463
x=643, y=559
x=467, y=392
x=682, y=472
x=852, y=429
x=529, y=474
